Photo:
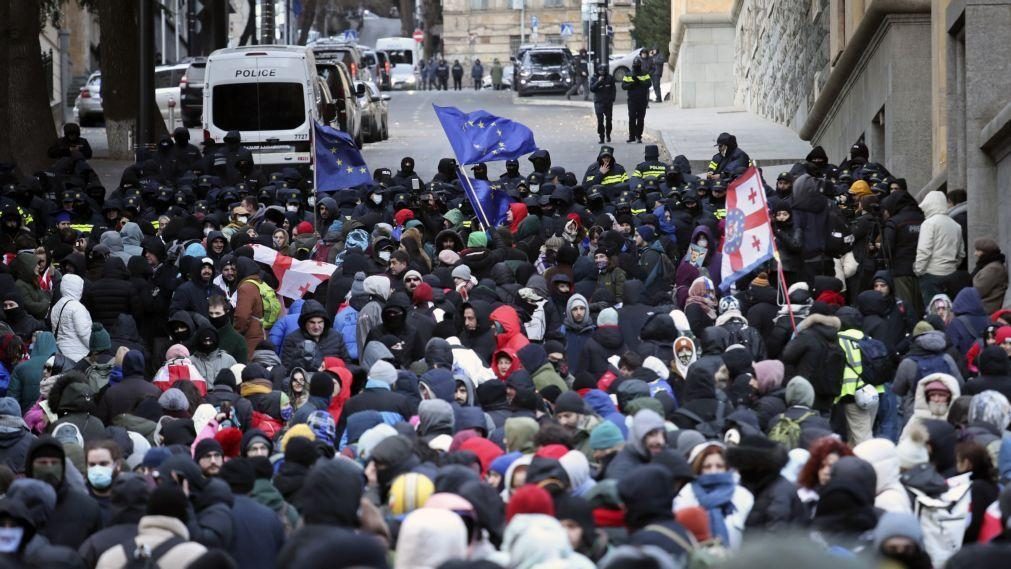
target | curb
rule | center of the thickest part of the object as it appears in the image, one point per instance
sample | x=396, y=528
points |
x=551, y=102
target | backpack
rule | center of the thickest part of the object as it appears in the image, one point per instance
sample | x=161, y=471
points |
x=269, y=425
x=928, y=364
x=875, y=360
x=943, y=518
x=140, y=557
x=828, y=381
x=787, y=431
x=839, y=239
x=663, y=271
x=271, y=306
x=709, y=553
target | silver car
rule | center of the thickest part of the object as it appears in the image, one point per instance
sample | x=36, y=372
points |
x=375, y=113
x=88, y=104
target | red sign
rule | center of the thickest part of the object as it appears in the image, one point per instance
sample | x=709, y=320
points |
x=419, y=36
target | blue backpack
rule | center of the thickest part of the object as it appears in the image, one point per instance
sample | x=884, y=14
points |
x=928, y=364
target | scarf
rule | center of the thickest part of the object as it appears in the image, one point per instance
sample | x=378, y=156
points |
x=987, y=258
x=715, y=493
x=702, y=294
x=254, y=387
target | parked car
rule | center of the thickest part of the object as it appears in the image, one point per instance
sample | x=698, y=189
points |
x=191, y=89
x=349, y=54
x=88, y=104
x=546, y=69
x=166, y=83
x=405, y=54
x=370, y=61
x=345, y=95
x=385, y=78
x=621, y=64
x=375, y=113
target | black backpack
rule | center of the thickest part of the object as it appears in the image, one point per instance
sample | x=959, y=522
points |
x=829, y=380
x=140, y=557
x=875, y=360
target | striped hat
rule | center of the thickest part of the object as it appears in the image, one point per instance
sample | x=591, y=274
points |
x=409, y=492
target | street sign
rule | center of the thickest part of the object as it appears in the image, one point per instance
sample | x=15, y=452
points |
x=419, y=36
x=350, y=35
x=534, y=22
x=610, y=31
x=566, y=30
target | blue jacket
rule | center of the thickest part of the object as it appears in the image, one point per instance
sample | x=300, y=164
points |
x=346, y=323
x=285, y=325
x=970, y=319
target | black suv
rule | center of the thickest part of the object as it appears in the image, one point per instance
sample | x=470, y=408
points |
x=545, y=70
x=191, y=92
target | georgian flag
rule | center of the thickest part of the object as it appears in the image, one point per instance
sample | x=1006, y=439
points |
x=295, y=277
x=747, y=241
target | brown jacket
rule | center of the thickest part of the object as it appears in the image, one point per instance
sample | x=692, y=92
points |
x=991, y=282
x=249, y=313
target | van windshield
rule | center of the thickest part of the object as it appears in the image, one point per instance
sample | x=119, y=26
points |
x=258, y=106
x=398, y=56
x=546, y=58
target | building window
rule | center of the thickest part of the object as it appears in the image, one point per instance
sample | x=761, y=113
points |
x=554, y=3
x=478, y=4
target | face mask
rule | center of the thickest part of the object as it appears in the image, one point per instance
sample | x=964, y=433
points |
x=311, y=200
x=938, y=409
x=207, y=231
x=12, y=314
x=292, y=208
x=702, y=243
x=601, y=265
x=10, y=539
x=377, y=199
x=384, y=255
x=286, y=413
x=50, y=474
x=242, y=219
x=100, y=477
x=219, y=321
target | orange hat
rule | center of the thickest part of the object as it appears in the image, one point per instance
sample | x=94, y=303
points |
x=860, y=189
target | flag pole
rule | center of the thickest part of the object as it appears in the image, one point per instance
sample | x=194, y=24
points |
x=315, y=184
x=472, y=196
x=775, y=257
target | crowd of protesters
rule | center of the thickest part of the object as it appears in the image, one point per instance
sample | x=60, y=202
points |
x=573, y=388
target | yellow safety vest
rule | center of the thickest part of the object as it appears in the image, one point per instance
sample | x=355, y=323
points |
x=851, y=381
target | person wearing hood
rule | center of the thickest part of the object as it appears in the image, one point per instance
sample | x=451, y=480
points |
x=127, y=502
x=249, y=306
x=969, y=322
x=35, y=299
x=899, y=242
x=808, y=354
x=75, y=404
x=535, y=361
x=759, y=461
x=123, y=397
x=926, y=357
x=207, y=355
x=27, y=375
x=648, y=493
x=193, y=295
x=577, y=327
x=646, y=438
x=789, y=241
x=219, y=313
x=477, y=333
x=378, y=289
x=995, y=373
x=21, y=323
x=397, y=332
x=286, y=324
x=716, y=490
x=939, y=248
x=989, y=276
x=314, y=340
x=15, y=438
x=77, y=515
x=845, y=511
x=429, y=537
x=392, y=406
x=899, y=539
x=164, y=524
x=890, y=495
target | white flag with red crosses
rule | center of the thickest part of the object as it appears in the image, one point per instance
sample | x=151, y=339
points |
x=295, y=277
x=747, y=241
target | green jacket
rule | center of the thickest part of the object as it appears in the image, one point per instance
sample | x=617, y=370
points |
x=232, y=343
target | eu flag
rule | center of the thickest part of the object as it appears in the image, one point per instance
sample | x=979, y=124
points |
x=339, y=164
x=483, y=137
x=490, y=201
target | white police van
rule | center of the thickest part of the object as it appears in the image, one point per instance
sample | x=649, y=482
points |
x=270, y=94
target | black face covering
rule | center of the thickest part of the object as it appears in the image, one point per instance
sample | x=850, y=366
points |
x=13, y=315
x=179, y=337
x=393, y=319
x=219, y=321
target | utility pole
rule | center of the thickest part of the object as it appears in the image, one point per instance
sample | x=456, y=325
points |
x=602, y=25
x=145, y=128
x=267, y=22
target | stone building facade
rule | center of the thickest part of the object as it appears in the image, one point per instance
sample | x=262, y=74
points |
x=922, y=83
x=488, y=29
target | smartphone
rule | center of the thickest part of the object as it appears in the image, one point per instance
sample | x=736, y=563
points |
x=415, y=184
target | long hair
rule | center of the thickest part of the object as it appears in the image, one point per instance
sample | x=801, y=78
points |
x=808, y=477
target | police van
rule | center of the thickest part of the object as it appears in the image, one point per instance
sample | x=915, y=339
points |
x=270, y=94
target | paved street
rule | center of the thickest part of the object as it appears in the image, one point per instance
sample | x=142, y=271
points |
x=568, y=132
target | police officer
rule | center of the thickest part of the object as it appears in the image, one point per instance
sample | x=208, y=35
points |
x=637, y=83
x=604, y=92
x=512, y=175
x=605, y=171
x=579, y=77
x=186, y=155
x=651, y=168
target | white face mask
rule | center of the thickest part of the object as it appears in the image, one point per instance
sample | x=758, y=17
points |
x=702, y=242
x=292, y=208
x=10, y=539
x=377, y=199
x=311, y=201
x=207, y=231
x=384, y=255
x=242, y=219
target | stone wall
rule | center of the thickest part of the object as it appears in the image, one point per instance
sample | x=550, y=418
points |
x=704, y=73
x=782, y=51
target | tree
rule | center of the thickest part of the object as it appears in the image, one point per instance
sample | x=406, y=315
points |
x=27, y=127
x=651, y=25
x=120, y=70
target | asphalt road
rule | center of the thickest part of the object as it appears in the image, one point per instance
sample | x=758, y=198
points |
x=569, y=133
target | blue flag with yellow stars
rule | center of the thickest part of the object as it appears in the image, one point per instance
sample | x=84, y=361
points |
x=489, y=200
x=339, y=164
x=480, y=136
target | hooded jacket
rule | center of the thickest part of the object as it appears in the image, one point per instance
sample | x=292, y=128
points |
x=152, y=531
x=891, y=496
x=995, y=374
x=34, y=299
x=15, y=439
x=927, y=350
x=210, y=363
x=482, y=338
x=249, y=303
x=301, y=350
x=939, y=248
x=648, y=494
x=511, y=334
x=124, y=396
x=576, y=333
x=70, y=320
x=969, y=322
x=193, y=294
x=900, y=236
x=634, y=453
x=77, y=515
x=807, y=354
x=112, y=295
x=27, y=375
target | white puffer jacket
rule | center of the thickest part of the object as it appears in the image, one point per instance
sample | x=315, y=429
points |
x=940, y=248
x=70, y=320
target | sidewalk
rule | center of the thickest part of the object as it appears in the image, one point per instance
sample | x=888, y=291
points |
x=693, y=132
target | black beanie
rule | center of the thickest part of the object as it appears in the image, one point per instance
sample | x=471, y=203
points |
x=240, y=475
x=205, y=447
x=254, y=371
x=584, y=380
x=993, y=360
x=225, y=377
x=301, y=450
x=570, y=402
x=321, y=385
x=262, y=467
x=168, y=500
